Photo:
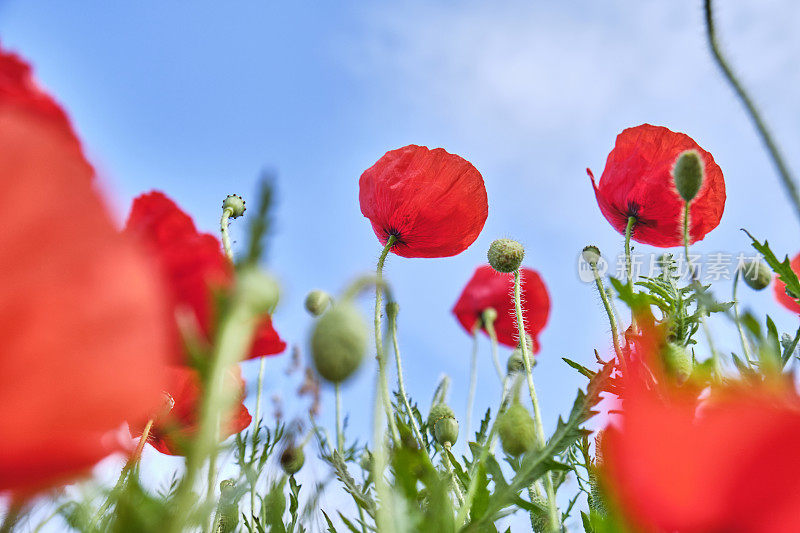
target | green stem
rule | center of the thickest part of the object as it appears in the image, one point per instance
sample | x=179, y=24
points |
x=226, y=237
x=339, y=436
x=259, y=393
x=400, y=380
x=11, y=518
x=787, y=180
x=738, y=320
x=379, y=355
x=610, y=312
x=451, y=475
x=473, y=377
x=628, y=264
x=383, y=516
x=554, y=520
x=489, y=326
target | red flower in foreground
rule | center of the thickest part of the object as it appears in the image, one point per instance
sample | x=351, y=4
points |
x=432, y=201
x=489, y=288
x=780, y=289
x=179, y=416
x=81, y=314
x=193, y=265
x=637, y=182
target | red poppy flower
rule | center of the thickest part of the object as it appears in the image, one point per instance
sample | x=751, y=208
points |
x=177, y=422
x=727, y=464
x=489, y=288
x=432, y=201
x=193, y=265
x=780, y=289
x=637, y=182
x=81, y=312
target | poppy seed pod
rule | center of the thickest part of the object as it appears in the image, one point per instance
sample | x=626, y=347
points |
x=317, y=301
x=505, y=255
x=756, y=274
x=517, y=430
x=292, y=459
x=688, y=174
x=591, y=254
x=339, y=342
x=235, y=203
x=678, y=361
x=442, y=424
x=257, y=290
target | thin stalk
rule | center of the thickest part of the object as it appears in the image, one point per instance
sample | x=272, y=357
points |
x=610, y=312
x=473, y=377
x=226, y=237
x=787, y=180
x=628, y=264
x=400, y=380
x=259, y=393
x=11, y=518
x=383, y=515
x=379, y=355
x=339, y=435
x=554, y=520
x=489, y=326
x=451, y=476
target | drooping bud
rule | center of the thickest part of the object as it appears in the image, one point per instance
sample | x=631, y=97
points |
x=235, y=203
x=442, y=424
x=591, y=254
x=688, y=174
x=505, y=255
x=257, y=289
x=489, y=315
x=515, y=363
x=677, y=361
x=339, y=342
x=292, y=459
x=317, y=301
x=756, y=274
x=517, y=430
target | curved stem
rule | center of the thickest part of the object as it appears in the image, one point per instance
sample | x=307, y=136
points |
x=738, y=320
x=379, y=355
x=339, y=436
x=473, y=378
x=787, y=180
x=489, y=326
x=226, y=237
x=554, y=520
x=610, y=312
x=400, y=381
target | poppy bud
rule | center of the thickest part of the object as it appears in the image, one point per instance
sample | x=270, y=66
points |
x=489, y=315
x=591, y=254
x=317, y=301
x=235, y=203
x=756, y=274
x=505, y=255
x=292, y=459
x=688, y=174
x=678, y=361
x=442, y=424
x=392, y=308
x=515, y=362
x=339, y=342
x=258, y=290
x=517, y=430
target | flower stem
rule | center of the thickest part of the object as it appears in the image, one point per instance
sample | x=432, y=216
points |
x=788, y=181
x=745, y=349
x=400, y=380
x=259, y=393
x=628, y=264
x=488, y=324
x=339, y=436
x=379, y=355
x=451, y=476
x=226, y=237
x=610, y=312
x=473, y=377
x=554, y=519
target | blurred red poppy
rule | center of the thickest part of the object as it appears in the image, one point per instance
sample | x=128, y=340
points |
x=193, y=265
x=178, y=417
x=489, y=288
x=82, y=314
x=780, y=289
x=432, y=201
x=637, y=182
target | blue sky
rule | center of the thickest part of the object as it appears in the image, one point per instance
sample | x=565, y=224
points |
x=196, y=99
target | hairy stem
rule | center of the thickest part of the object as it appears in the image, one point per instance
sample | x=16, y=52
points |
x=259, y=393
x=400, y=381
x=610, y=312
x=226, y=237
x=379, y=355
x=339, y=436
x=473, y=378
x=488, y=324
x=738, y=320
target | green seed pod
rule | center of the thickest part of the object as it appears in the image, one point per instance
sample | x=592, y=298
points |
x=317, y=301
x=228, y=507
x=257, y=289
x=517, y=430
x=591, y=254
x=678, y=361
x=235, y=203
x=442, y=424
x=756, y=274
x=339, y=342
x=392, y=308
x=292, y=459
x=489, y=315
x=515, y=362
x=505, y=255
x=688, y=174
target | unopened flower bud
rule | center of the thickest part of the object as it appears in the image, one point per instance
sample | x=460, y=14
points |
x=688, y=174
x=678, y=361
x=591, y=254
x=292, y=459
x=489, y=315
x=515, y=363
x=505, y=255
x=317, y=301
x=235, y=203
x=339, y=342
x=257, y=289
x=442, y=424
x=392, y=308
x=756, y=274
x=517, y=430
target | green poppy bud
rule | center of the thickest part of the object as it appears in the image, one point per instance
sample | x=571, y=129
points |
x=505, y=255
x=489, y=315
x=756, y=274
x=317, y=301
x=517, y=430
x=591, y=254
x=678, y=361
x=257, y=289
x=292, y=459
x=235, y=203
x=688, y=174
x=515, y=362
x=392, y=308
x=339, y=342
x=442, y=424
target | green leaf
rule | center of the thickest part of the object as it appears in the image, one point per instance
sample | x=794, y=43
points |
x=331, y=529
x=782, y=268
x=579, y=367
x=789, y=346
